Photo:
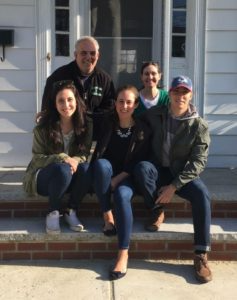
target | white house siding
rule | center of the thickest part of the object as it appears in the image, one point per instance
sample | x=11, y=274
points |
x=17, y=83
x=221, y=81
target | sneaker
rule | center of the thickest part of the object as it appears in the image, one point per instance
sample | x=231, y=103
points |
x=73, y=221
x=156, y=219
x=202, y=271
x=52, y=222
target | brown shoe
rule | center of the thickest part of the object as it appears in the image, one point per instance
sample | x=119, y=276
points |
x=202, y=270
x=156, y=219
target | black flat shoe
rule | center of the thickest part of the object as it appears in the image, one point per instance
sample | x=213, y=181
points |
x=114, y=275
x=110, y=232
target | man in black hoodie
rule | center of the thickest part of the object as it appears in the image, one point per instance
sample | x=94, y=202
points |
x=95, y=86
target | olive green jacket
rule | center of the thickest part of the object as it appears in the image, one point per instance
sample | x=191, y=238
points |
x=43, y=154
x=189, y=148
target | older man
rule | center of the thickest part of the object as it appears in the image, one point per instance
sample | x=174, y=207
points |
x=95, y=86
x=179, y=153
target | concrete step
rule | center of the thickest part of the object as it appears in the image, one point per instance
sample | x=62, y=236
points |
x=26, y=239
x=222, y=184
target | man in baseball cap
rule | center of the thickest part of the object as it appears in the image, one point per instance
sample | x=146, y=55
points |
x=179, y=151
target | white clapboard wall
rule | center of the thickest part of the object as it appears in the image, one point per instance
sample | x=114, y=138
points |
x=17, y=83
x=18, y=73
x=220, y=106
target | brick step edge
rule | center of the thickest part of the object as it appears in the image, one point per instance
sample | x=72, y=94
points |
x=26, y=239
x=179, y=208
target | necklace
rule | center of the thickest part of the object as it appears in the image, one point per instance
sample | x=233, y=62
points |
x=124, y=134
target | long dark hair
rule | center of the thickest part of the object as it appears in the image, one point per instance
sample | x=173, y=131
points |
x=51, y=118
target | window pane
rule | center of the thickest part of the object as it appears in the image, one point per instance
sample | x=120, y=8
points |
x=122, y=58
x=62, y=20
x=179, y=3
x=179, y=22
x=62, y=3
x=137, y=17
x=62, y=45
x=178, y=46
x=116, y=18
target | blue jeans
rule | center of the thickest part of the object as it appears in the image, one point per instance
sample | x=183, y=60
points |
x=148, y=179
x=54, y=181
x=98, y=176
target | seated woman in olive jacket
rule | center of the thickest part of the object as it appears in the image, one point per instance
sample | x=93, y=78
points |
x=62, y=140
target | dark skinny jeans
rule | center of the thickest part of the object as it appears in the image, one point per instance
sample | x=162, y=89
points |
x=98, y=176
x=148, y=179
x=54, y=181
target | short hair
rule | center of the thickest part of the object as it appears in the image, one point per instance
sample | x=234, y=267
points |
x=87, y=38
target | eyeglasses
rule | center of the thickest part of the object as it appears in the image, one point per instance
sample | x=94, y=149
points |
x=84, y=53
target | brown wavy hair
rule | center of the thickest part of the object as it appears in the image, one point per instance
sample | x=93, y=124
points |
x=50, y=120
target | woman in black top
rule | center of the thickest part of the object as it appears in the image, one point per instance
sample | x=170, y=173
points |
x=123, y=142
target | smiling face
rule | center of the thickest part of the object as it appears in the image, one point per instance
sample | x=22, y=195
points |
x=150, y=76
x=180, y=99
x=125, y=104
x=66, y=103
x=86, y=56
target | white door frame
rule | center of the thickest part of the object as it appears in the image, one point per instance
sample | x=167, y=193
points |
x=43, y=47
x=196, y=54
x=194, y=64
x=45, y=42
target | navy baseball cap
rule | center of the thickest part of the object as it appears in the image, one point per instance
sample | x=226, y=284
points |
x=181, y=81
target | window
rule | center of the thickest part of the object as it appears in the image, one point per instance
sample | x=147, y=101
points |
x=62, y=27
x=179, y=28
